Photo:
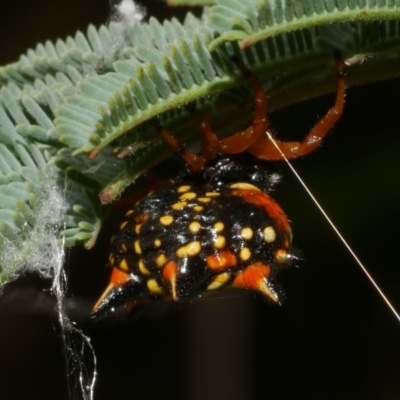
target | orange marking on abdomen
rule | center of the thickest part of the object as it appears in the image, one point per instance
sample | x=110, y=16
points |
x=221, y=260
x=142, y=218
x=261, y=199
x=170, y=270
x=118, y=277
x=252, y=276
x=169, y=273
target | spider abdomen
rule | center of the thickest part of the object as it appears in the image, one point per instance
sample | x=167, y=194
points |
x=184, y=239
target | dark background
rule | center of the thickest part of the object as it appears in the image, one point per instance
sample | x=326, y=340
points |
x=333, y=339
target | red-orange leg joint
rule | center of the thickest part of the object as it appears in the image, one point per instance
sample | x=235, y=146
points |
x=211, y=143
x=195, y=162
x=241, y=141
x=265, y=149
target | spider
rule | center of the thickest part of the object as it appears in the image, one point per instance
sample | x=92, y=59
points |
x=215, y=225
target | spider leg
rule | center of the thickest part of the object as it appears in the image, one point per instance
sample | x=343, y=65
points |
x=241, y=141
x=195, y=162
x=211, y=143
x=265, y=149
x=234, y=144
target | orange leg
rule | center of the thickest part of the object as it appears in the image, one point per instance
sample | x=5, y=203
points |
x=195, y=162
x=264, y=149
x=241, y=141
x=253, y=138
x=211, y=143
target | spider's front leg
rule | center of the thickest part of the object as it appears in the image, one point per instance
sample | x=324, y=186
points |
x=241, y=141
x=265, y=149
x=196, y=162
x=254, y=140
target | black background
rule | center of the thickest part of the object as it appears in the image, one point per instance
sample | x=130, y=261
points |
x=333, y=339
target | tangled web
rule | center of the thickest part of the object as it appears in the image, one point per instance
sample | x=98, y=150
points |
x=46, y=253
x=80, y=357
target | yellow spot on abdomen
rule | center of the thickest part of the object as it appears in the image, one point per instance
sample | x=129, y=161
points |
x=188, y=196
x=153, y=287
x=124, y=265
x=136, y=246
x=194, y=226
x=184, y=188
x=219, y=242
x=245, y=254
x=161, y=260
x=219, y=226
x=212, y=194
x=281, y=256
x=189, y=250
x=204, y=199
x=142, y=268
x=247, y=233
x=269, y=234
x=179, y=205
x=198, y=208
x=218, y=281
x=157, y=243
x=122, y=226
x=167, y=220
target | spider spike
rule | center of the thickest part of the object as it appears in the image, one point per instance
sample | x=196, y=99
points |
x=118, y=278
x=109, y=288
x=169, y=274
x=266, y=290
x=255, y=277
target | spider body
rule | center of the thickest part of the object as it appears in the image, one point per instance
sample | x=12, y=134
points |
x=216, y=224
x=201, y=232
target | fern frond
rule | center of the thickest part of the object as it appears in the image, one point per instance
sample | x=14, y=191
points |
x=29, y=178
x=74, y=55
x=177, y=70
x=250, y=21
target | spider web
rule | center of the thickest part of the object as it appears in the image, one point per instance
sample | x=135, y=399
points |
x=47, y=257
x=80, y=357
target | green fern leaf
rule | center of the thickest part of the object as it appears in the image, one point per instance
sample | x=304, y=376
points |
x=251, y=21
